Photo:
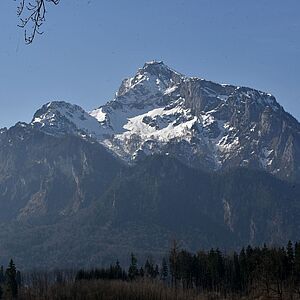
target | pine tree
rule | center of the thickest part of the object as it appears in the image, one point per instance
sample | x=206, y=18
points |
x=244, y=269
x=237, y=279
x=2, y=276
x=142, y=272
x=11, y=281
x=290, y=252
x=164, y=270
x=290, y=257
x=2, y=280
x=18, y=278
x=149, y=268
x=297, y=261
x=173, y=262
x=156, y=272
x=119, y=270
x=133, y=270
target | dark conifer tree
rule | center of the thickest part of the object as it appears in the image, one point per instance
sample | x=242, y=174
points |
x=2, y=276
x=244, y=269
x=237, y=278
x=141, y=272
x=133, y=270
x=297, y=259
x=156, y=271
x=173, y=263
x=11, y=281
x=290, y=259
x=164, y=270
x=149, y=268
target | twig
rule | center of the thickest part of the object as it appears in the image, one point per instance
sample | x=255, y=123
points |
x=36, y=12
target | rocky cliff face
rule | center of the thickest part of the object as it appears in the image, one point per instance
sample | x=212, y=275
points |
x=204, y=124
x=48, y=177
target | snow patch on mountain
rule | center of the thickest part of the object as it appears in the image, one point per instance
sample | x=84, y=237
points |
x=266, y=157
x=62, y=117
x=159, y=110
x=99, y=114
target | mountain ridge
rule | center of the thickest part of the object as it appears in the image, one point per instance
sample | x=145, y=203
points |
x=206, y=124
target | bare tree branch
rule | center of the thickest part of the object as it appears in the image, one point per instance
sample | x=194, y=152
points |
x=32, y=14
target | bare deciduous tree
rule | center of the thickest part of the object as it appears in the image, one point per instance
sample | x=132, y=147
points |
x=32, y=14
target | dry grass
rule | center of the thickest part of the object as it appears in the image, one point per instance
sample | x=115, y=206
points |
x=123, y=290
x=110, y=290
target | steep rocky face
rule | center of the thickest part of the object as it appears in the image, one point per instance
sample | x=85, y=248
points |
x=148, y=86
x=202, y=123
x=49, y=177
x=236, y=207
x=249, y=128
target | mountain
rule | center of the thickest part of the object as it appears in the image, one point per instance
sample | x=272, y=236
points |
x=170, y=157
x=46, y=177
x=148, y=205
x=204, y=124
x=227, y=210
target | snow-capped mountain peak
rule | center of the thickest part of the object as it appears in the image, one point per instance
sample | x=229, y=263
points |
x=60, y=117
x=148, y=85
x=204, y=124
x=159, y=69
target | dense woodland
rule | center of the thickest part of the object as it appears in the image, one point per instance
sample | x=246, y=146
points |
x=253, y=273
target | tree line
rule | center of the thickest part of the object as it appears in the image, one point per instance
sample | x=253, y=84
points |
x=273, y=272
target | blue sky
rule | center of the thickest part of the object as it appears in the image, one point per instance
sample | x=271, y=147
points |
x=89, y=46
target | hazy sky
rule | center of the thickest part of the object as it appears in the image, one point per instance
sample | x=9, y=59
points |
x=89, y=46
